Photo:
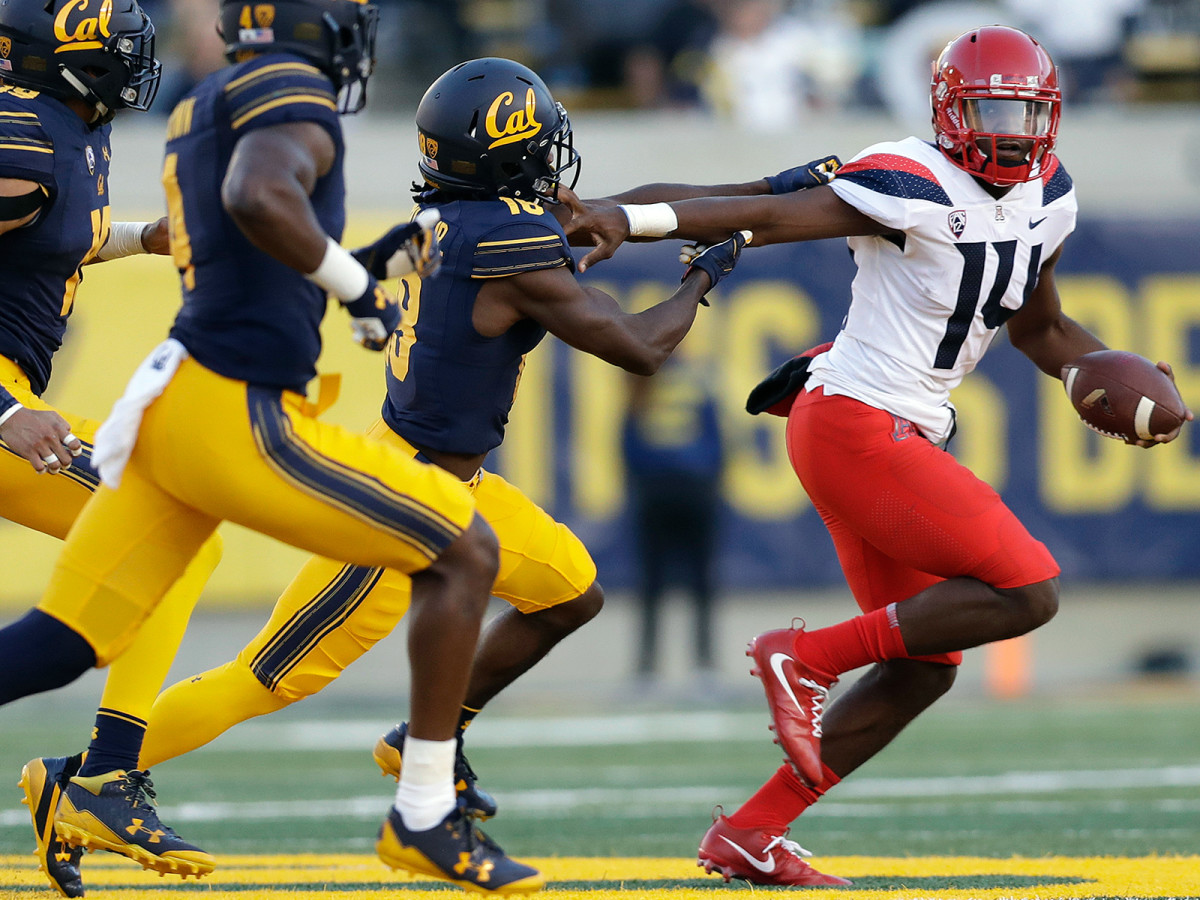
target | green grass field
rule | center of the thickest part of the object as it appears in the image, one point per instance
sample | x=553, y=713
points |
x=1106, y=775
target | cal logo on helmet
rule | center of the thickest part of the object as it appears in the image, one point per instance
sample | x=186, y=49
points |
x=519, y=125
x=496, y=130
x=97, y=51
x=85, y=30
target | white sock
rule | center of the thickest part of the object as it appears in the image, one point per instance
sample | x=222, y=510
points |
x=426, y=792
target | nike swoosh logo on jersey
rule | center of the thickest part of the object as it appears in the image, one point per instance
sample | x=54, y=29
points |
x=777, y=661
x=1034, y=224
x=767, y=865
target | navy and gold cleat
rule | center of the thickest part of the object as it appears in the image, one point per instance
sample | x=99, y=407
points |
x=456, y=851
x=480, y=804
x=43, y=781
x=113, y=812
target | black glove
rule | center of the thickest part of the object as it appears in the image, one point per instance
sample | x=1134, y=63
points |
x=410, y=247
x=811, y=174
x=375, y=315
x=717, y=261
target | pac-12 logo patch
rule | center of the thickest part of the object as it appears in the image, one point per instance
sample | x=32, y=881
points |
x=89, y=156
x=958, y=222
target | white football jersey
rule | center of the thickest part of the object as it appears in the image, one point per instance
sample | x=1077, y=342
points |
x=927, y=302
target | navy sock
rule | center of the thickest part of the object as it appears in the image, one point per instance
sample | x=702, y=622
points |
x=116, y=743
x=39, y=653
x=465, y=718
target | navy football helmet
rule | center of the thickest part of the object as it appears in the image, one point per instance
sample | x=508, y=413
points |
x=98, y=51
x=490, y=127
x=336, y=36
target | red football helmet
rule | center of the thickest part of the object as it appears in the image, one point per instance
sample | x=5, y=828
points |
x=996, y=104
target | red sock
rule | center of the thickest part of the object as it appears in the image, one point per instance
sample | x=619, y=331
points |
x=781, y=800
x=871, y=637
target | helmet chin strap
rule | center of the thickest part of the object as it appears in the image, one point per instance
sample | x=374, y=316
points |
x=100, y=110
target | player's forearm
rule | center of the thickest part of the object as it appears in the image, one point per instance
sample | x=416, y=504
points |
x=666, y=193
x=773, y=218
x=663, y=326
x=640, y=343
x=1052, y=347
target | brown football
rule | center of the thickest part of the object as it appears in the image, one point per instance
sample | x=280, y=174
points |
x=1122, y=395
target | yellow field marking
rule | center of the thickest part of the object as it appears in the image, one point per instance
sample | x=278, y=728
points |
x=363, y=877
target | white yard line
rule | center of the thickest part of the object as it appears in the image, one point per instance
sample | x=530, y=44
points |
x=579, y=731
x=928, y=796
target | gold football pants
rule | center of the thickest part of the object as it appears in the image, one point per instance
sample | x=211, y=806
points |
x=212, y=449
x=333, y=613
x=51, y=504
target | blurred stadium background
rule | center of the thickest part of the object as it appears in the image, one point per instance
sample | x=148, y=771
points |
x=730, y=90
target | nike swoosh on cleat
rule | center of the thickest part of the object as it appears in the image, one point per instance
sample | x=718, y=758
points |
x=767, y=865
x=1033, y=224
x=777, y=661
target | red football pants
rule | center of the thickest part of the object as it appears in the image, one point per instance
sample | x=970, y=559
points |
x=903, y=514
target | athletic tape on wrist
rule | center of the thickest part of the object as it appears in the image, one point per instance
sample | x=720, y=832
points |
x=10, y=412
x=340, y=273
x=124, y=239
x=650, y=220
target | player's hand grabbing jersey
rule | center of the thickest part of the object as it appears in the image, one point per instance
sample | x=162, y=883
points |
x=246, y=315
x=449, y=387
x=929, y=300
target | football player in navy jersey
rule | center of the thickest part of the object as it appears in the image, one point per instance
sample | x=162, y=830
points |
x=54, y=219
x=215, y=426
x=952, y=239
x=453, y=368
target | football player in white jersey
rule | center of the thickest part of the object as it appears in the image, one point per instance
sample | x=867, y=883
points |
x=952, y=239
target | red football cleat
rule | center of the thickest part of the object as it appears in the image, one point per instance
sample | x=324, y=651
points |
x=759, y=857
x=796, y=697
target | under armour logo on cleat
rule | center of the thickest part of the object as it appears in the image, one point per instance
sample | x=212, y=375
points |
x=155, y=834
x=483, y=872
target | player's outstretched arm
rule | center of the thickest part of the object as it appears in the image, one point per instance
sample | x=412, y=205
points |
x=811, y=174
x=773, y=218
x=590, y=320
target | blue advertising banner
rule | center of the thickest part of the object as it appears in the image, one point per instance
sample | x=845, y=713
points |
x=1107, y=511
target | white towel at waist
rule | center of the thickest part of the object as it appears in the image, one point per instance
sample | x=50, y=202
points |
x=116, y=437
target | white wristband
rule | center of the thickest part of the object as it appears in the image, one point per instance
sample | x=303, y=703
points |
x=650, y=220
x=124, y=239
x=340, y=273
x=10, y=412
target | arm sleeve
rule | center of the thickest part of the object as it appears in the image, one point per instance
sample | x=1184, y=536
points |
x=519, y=247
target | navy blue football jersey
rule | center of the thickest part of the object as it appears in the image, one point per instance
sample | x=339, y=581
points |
x=44, y=141
x=449, y=387
x=246, y=315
